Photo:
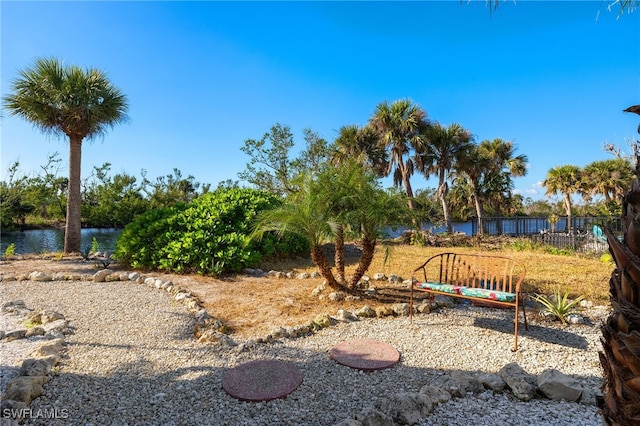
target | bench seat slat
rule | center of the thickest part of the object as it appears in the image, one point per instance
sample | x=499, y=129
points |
x=480, y=293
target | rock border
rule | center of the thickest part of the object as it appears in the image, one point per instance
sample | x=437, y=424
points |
x=37, y=368
x=404, y=408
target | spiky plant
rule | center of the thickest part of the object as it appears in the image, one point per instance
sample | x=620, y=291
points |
x=620, y=357
x=560, y=306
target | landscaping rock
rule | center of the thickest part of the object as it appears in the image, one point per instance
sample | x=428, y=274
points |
x=558, y=386
x=101, y=275
x=521, y=383
x=365, y=312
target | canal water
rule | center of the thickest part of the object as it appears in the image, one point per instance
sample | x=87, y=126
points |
x=52, y=240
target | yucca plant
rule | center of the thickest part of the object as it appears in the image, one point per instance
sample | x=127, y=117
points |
x=560, y=306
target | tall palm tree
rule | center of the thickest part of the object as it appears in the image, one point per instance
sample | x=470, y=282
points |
x=505, y=165
x=401, y=126
x=470, y=168
x=566, y=181
x=437, y=154
x=489, y=168
x=68, y=101
x=620, y=358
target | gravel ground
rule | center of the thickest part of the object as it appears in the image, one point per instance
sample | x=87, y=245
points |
x=133, y=361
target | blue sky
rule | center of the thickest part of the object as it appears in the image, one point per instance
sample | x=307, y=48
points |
x=202, y=77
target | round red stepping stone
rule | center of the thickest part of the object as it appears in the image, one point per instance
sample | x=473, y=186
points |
x=261, y=380
x=365, y=354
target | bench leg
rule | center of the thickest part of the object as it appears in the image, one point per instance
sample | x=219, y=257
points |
x=411, y=304
x=524, y=313
x=515, y=344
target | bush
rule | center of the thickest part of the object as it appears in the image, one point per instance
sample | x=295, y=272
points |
x=210, y=235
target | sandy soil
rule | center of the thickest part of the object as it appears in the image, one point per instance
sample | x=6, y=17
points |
x=249, y=306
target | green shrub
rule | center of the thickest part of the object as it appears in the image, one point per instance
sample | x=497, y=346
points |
x=523, y=244
x=210, y=235
x=559, y=251
x=607, y=258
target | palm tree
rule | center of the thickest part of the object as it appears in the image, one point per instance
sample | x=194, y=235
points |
x=68, y=101
x=565, y=180
x=610, y=178
x=470, y=169
x=437, y=154
x=620, y=358
x=401, y=126
x=345, y=197
x=498, y=181
x=362, y=144
x=489, y=168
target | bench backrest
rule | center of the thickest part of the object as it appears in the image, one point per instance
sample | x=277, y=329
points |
x=489, y=272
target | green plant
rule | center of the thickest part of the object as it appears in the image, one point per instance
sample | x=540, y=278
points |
x=607, y=258
x=558, y=305
x=95, y=247
x=418, y=239
x=10, y=250
x=210, y=235
x=559, y=251
x=29, y=323
x=523, y=244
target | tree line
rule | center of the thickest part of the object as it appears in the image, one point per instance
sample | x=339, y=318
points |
x=474, y=179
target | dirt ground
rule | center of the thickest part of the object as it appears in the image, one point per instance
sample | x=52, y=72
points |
x=249, y=306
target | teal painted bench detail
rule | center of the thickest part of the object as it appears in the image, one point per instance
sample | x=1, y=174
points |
x=487, y=279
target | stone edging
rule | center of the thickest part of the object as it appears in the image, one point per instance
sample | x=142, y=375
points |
x=36, y=369
x=400, y=408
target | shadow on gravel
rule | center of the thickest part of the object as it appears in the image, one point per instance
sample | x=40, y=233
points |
x=148, y=392
x=541, y=333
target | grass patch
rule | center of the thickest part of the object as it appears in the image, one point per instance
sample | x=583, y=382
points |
x=548, y=272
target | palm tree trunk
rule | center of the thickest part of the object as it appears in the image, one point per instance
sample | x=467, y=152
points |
x=368, y=250
x=620, y=357
x=479, y=212
x=318, y=257
x=73, y=226
x=339, y=254
x=443, y=190
x=407, y=187
x=567, y=206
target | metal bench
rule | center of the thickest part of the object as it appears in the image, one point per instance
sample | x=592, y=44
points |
x=486, y=279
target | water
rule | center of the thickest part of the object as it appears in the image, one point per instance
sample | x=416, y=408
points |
x=52, y=240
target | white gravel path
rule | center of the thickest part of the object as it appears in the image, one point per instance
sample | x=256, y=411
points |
x=133, y=361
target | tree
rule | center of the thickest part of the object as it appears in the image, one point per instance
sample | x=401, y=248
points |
x=172, y=189
x=271, y=168
x=470, y=169
x=14, y=204
x=620, y=357
x=489, y=168
x=79, y=104
x=400, y=126
x=338, y=198
x=437, y=154
x=504, y=165
x=362, y=144
x=111, y=202
x=566, y=181
x=609, y=178
x=625, y=6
